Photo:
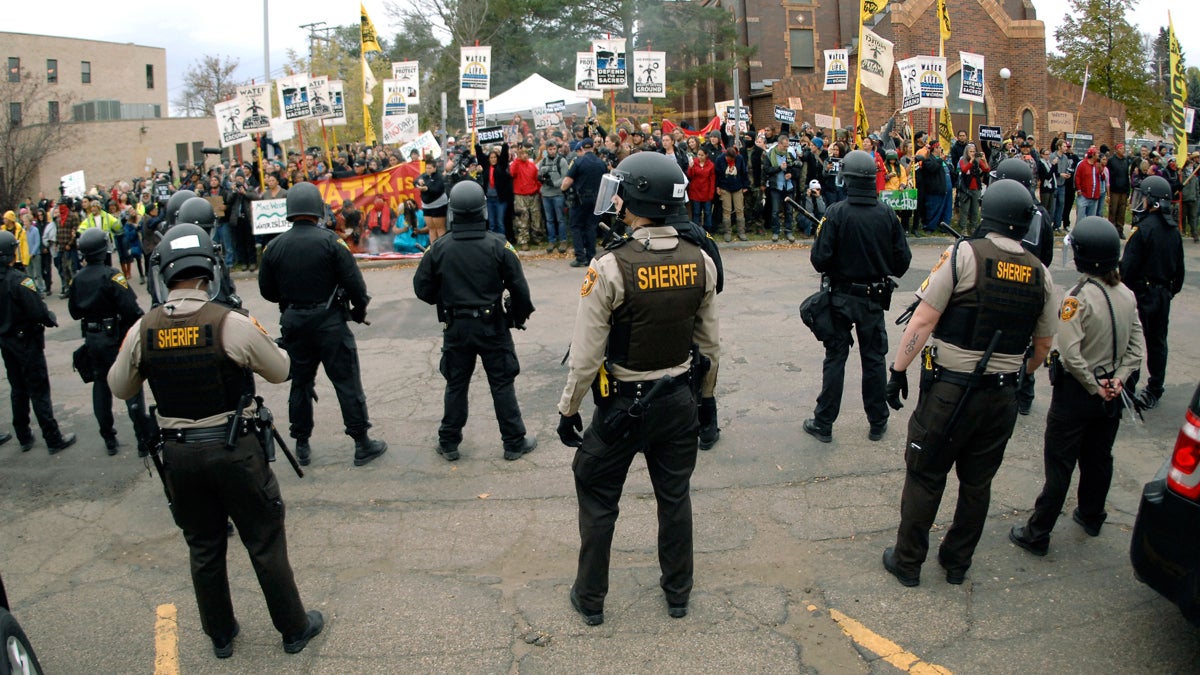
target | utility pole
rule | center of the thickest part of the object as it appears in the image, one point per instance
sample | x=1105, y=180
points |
x=313, y=38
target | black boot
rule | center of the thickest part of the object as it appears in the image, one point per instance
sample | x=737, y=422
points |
x=61, y=443
x=303, y=451
x=366, y=449
x=111, y=444
x=709, y=431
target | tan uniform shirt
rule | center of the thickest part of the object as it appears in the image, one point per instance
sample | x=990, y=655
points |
x=939, y=288
x=1085, y=333
x=603, y=291
x=246, y=342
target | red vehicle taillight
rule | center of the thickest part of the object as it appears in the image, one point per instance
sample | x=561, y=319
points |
x=1184, y=476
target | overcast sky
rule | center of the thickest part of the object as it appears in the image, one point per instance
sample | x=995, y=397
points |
x=235, y=28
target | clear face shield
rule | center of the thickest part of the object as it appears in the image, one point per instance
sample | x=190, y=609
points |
x=1034, y=236
x=610, y=188
x=158, y=282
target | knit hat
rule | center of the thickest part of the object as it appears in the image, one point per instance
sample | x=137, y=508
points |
x=10, y=217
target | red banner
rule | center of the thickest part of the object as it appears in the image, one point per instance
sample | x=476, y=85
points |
x=394, y=185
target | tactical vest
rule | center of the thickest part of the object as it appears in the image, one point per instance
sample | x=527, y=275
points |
x=183, y=359
x=652, y=329
x=1008, y=296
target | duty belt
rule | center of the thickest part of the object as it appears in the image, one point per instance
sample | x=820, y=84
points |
x=641, y=387
x=867, y=290
x=987, y=381
x=474, y=313
x=308, y=305
x=98, y=325
x=202, y=434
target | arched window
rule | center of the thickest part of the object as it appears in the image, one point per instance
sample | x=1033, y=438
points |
x=1027, y=121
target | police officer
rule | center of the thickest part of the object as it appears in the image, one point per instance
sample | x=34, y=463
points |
x=311, y=273
x=200, y=358
x=583, y=177
x=100, y=297
x=859, y=246
x=1152, y=266
x=174, y=203
x=199, y=211
x=982, y=303
x=1100, y=347
x=1039, y=242
x=465, y=276
x=644, y=303
x=24, y=318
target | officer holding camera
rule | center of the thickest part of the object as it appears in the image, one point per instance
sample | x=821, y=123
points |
x=465, y=274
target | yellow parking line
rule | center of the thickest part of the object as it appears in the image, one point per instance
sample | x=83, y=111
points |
x=166, y=641
x=886, y=649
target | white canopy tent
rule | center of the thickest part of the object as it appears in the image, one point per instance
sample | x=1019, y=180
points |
x=534, y=92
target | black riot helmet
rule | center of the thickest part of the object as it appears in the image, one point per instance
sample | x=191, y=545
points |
x=93, y=245
x=1007, y=208
x=858, y=174
x=1096, y=245
x=1157, y=192
x=8, y=247
x=174, y=203
x=1016, y=169
x=650, y=184
x=468, y=204
x=185, y=252
x=197, y=211
x=304, y=201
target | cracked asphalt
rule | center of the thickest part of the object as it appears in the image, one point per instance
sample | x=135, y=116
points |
x=425, y=566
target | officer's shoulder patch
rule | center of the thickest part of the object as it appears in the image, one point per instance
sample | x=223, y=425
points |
x=120, y=280
x=589, y=281
x=28, y=283
x=508, y=245
x=941, y=261
x=1070, y=306
x=343, y=243
x=258, y=325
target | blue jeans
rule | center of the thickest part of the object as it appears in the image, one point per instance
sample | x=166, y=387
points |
x=938, y=209
x=223, y=236
x=583, y=232
x=556, y=227
x=702, y=215
x=1085, y=207
x=780, y=209
x=496, y=208
x=1060, y=196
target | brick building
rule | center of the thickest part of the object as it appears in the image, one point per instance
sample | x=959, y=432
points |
x=115, y=93
x=791, y=35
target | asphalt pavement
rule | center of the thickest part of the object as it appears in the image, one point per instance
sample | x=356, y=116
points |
x=426, y=566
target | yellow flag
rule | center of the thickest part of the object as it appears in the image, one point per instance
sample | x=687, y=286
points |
x=870, y=8
x=944, y=19
x=1178, y=90
x=368, y=126
x=862, y=128
x=945, y=129
x=370, y=40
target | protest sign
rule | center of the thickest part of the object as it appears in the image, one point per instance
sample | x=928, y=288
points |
x=229, y=122
x=256, y=107
x=543, y=119
x=1060, y=120
x=827, y=122
x=475, y=74
x=293, y=97
x=910, y=84
x=900, y=200
x=400, y=128
x=408, y=76
x=585, y=75
x=650, y=74
x=611, y=72
x=555, y=106
x=988, y=133
x=932, y=81
x=971, y=87
x=490, y=134
x=634, y=110
x=73, y=184
x=270, y=216
x=337, y=101
x=282, y=130
x=425, y=145
x=785, y=115
x=393, y=99
x=875, y=62
x=837, y=69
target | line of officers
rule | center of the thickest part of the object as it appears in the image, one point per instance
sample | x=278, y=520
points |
x=645, y=345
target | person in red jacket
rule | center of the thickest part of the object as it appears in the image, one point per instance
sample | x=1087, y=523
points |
x=1087, y=185
x=527, y=213
x=702, y=186
x=972, y=167
x=871, y=144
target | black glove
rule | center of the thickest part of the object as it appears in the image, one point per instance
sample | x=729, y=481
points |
x=358, y=314
x=569, y=427
x=52, y=321
x=897, y=388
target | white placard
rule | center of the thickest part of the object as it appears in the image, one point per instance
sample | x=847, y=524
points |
x=282, y=130
x=318, y=97
x=585, y=75
x=932, y=81
x=408, y=75
x=74, y=185
x=475, y=74
x=256, y=106
x=611, y=72
x=827, y=122
x=270, y=216
x=971, y=88
x=650, y=74
x=426, y=144
x=910, y=84
x=837, y=69
x=394, y=102
x=293, y=97
x=337, y=101
x=400, y=128
x=875, y=61
x=229, y=122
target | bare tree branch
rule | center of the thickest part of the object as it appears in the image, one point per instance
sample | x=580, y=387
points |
x=208, y=82
x=25, y=141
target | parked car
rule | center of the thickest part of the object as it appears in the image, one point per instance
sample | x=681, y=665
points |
x=1166, y=535
x=17, y=654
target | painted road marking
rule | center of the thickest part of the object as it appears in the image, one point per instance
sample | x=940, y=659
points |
x=166, y=641
x=886, y=649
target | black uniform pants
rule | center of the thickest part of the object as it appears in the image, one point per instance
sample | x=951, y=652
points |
x=321, y=337
x=1079, y=429
x=210, y=485
x=463, y=341
x=29, y=383
x=1154, y=311
x=584, y=224
x=104, y=350
x=865, y=316
x=667, y=435
x=974, y=450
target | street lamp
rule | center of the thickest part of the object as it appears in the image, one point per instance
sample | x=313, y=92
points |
x=1005, y=75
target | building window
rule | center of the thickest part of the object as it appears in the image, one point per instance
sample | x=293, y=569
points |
x=52, y=71
x=85, y=69
x=52, y=112
x=14, y=69
x=149, y=76
x=14, y=114
x=801, y=43
x=1027, y=121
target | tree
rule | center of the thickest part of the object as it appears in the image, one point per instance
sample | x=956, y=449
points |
x=207, y=82
x=26, y=139
x=1096, y=36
